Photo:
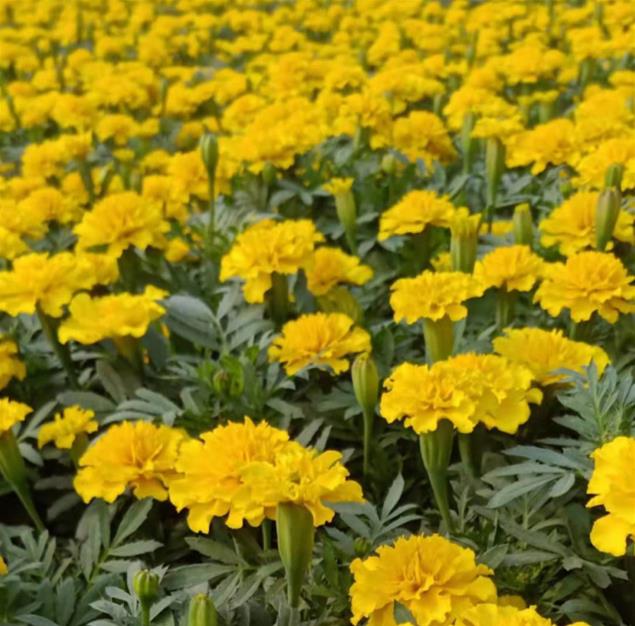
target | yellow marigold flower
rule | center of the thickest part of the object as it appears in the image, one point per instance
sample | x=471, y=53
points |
x=45, y=281
x=414, y=212
x=422, y=135
x=442, y=262
x=588, y=282
x=138, y=455
x=543, y=352
x=65, y=427
x=435, y=579
x=500, y=389
x=304, y=477
x=488, y=614
x=424, y=395
x=266, y=248
x=211, y=482
x=618, y=151
x=465, y=389
x=330, y=267
x=11, y=245
x=433, y=295
x=4, y=570
x=11, y=413
x=611, y=487
x=550, y=143
x=513, y=268
x=10, y=364
x=319, y=340
x=121, y=220
x=571, y=226
x=119, y=315
x=338, y=186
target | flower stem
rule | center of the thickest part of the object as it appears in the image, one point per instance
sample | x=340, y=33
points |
x=145, y=615
x=279, y=299
x=49, y=327
x=369, y=417
x=505, y=308
x=439, y=338
x=436, y=449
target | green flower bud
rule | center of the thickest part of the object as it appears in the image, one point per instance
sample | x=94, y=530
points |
x=296, y=536
x=362, y=546
x=365, y=382
x=606, y=214
x=347, y=214
x=439, y=338
x=613, y=176
x=146, y=587
x=389, y=164
x=202, y=611
x=209, y=152
x=468, y=143
x=523, y=225
x=464, y=229
x=341, y=300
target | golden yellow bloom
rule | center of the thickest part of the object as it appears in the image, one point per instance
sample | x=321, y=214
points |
x=269, y=247
x=465, y=389
x=121, y=220
x=617, y=151
x=119, y=315
x=46, y=281
x=543, y=352
x=513, y=268
x=138, y=455
x=571, y=226
x=425, y=395
x=4, y=570
x=329, y=267
x=212, y=483
x=611, y=487
x=318, y=340
x=304, y=477
x=550, y=143
x=588, y=282
x=501, y=615
x=414, y=212
x=10, y=364
x=11, y=413
x=435, y=579
x=338, y=186
x=65, y=427
x=433, y=295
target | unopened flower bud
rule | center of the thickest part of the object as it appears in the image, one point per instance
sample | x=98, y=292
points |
x=613, y=176
x=146, y=587
x=296, y=536
x=522, y=225
x=202, y=611
x=464, y=229
x=209, y=153
x=365, y=382
x=468, y=143
x=606, y=214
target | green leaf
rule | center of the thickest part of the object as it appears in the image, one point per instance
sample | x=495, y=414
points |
x=135, y=548
x=132, y=520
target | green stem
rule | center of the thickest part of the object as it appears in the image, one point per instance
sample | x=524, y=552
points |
x=439, y=338
x=49, y=327
x=505, y=308
x=211, y=225
x=145, y=614
x=436, y=449
x=467, y=454
x=266, y=534
x=369, y=418
x=279, y=299
x=29, y=507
